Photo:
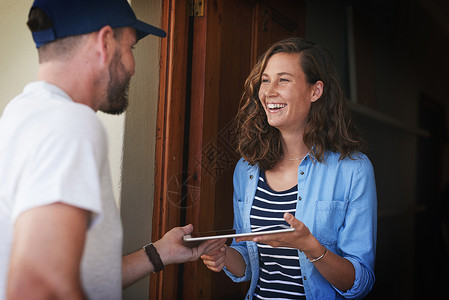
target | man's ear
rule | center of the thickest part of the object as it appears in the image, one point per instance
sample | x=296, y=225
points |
x=317, y=90
x=105, y=43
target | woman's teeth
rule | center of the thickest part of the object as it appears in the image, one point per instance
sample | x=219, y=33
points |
x=276, y=105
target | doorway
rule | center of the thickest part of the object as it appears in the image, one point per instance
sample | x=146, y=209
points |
x=205, y=61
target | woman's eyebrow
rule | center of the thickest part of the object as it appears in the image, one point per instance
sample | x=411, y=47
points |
x=285, y=73
x=279, y=74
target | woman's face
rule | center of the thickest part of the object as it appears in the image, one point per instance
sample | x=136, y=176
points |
x=285, y=94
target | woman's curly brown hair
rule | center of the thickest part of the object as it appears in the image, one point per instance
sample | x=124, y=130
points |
x=329, y=126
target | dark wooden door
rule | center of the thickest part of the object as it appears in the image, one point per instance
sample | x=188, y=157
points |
x=223, y=45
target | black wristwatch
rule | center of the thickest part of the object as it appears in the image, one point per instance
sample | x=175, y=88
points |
x=154, y=257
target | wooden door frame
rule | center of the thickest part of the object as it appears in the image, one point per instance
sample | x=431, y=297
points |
x=204, y=113
x=170, y=137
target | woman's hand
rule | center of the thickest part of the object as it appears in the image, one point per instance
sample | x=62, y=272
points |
x=300, y=239
x=336, y=269
x=215, y=260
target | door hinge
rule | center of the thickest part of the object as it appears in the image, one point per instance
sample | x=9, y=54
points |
x=196, y=8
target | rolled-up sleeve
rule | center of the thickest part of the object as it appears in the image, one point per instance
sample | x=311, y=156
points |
x=357, y=238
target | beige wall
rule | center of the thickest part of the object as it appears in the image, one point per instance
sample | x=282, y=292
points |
x=18, y=57
x=131, y=135
x=137, y=190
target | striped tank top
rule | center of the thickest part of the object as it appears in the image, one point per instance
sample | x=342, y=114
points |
x=279, y=270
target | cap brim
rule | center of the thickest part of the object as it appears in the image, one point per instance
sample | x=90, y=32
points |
x=143, y=29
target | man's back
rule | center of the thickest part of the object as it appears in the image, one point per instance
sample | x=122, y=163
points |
x=55, y=150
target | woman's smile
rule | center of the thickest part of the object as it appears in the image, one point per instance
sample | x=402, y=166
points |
x=275, y=107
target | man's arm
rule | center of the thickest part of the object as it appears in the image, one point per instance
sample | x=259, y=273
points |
x=171, y=249
x=46, y=253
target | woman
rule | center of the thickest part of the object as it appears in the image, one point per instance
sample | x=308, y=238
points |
x=301, y=166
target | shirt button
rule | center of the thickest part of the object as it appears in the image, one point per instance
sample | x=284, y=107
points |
x=302, y=173
x=305, y=277
x=299, y=198
x=251, y=176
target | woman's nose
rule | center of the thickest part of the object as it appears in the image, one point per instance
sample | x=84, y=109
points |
x=271, y=90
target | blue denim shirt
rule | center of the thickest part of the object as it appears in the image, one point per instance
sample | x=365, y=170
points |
x=337, y=201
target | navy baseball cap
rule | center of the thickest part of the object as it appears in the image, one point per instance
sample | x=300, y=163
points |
x=74, y=17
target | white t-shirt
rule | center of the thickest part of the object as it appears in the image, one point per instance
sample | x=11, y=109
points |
x=55, y=150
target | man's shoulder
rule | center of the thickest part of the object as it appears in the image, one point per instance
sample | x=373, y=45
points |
x=38, y=119
x=53, y=111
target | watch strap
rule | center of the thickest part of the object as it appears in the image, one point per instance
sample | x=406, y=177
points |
x=154, y=257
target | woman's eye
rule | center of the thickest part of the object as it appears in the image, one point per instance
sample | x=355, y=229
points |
x=264, y=80
x=283, y=80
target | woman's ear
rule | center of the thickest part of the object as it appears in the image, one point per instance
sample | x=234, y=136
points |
x=317, y=91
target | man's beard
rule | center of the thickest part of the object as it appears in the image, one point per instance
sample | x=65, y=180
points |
x=117, y=90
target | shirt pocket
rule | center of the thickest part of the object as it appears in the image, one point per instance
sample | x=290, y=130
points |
x=329, y=218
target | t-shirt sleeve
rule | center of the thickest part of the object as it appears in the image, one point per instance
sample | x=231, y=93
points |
x=64, y=168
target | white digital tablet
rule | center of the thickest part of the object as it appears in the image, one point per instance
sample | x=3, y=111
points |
x=232, y=233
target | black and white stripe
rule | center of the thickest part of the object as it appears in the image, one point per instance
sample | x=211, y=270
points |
x=280, y=273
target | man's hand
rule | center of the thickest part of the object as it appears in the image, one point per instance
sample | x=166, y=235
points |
x=173, y=249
